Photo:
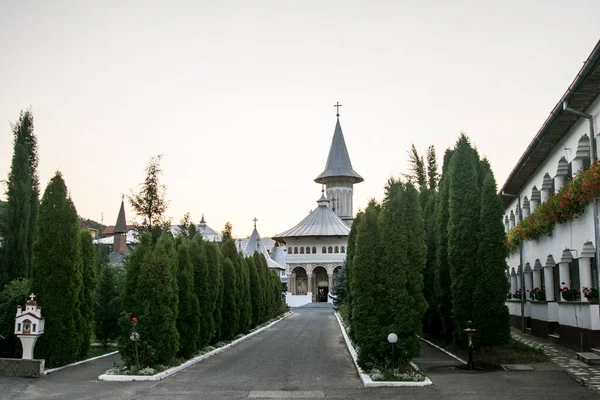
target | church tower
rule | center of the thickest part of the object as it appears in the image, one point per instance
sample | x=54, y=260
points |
x=339, y=177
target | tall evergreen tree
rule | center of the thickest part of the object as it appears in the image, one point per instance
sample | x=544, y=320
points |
x=87, y=297
x=490, y=315
x=339, y=288
x=58, y=280
x=188, y=318
x=350, y=251
x=229, y=310
x=184, y=225
x=246, y=302
x=14, y=293
x=369, y=334
x=215, y=277
x=418, y=173
x=108, y=307
x=442, y=277
x=202, y=288
x=463, y=233
x=432, y=169
x=255, y=291
x=229, y=251
x=16, y=250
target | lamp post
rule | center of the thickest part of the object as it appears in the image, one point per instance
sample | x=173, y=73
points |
x=522, y=269
x=393, y=338
x=470, y=332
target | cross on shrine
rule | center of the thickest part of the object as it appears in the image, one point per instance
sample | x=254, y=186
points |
x=337, y=105
x=255, y=219
x=32, y=296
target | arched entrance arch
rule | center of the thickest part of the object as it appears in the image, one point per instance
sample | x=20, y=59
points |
x=320, y=284
x=336, y=270
x=300, y=281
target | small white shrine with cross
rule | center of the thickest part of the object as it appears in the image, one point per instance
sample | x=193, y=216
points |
x=29, y=325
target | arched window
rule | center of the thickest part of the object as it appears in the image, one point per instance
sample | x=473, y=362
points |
x=301, y=250
x=343, y=249
x=314, y=250
x=330, y=249
x=295, y=250
x=337, y=250
x=324, y=250
x=307, y=250
x=289, y=250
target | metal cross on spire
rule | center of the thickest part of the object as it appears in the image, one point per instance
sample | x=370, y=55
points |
x=32, y=296
x=255, y=219
x=337, y=105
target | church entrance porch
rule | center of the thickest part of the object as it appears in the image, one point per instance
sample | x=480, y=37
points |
x=322, y=295
x=320, y=285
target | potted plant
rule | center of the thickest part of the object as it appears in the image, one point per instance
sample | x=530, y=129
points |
x=569, y=294
x=538, y=294
x=591, y=294
x=517, y=294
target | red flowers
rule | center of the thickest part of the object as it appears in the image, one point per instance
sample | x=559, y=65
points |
x=134, y=319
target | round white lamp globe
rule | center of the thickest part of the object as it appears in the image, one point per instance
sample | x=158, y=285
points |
x=392, y=338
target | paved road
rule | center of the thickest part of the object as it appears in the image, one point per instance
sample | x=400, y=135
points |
x=303, y=355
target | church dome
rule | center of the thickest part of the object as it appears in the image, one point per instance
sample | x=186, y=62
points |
x=320, y=222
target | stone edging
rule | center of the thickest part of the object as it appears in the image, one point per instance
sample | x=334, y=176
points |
x=443, y=350
x=51, y=370
x=366, y=379
x=188, y=363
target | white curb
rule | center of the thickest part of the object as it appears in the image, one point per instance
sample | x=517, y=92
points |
x=445, y=351
x=51, y=370
x=366, y=379
x=188, y=363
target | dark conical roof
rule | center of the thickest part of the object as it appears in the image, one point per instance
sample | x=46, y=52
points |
x=338, y=160
x=121, y=225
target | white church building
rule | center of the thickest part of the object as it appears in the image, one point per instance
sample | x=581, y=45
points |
x=558, y=157
x=316, y=246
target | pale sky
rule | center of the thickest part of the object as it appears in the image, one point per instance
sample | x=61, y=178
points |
x=238, y=95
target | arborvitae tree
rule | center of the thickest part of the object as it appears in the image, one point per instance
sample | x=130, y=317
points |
x=14, y=293
x=259, y=262
x=255, y=290
x=490, y=315
x=229, y=310
x=463, y=232
x=429, y=219
x=432, y=169
x=417, y=173
x=157, y=294
x=339, y=288
x=226, y=233
x=87, y=297
x=192, y=231
x=367, y=314
x=57, y=280
x=215, y=277
x=416, y=255
x=203, y=291
x=108, y=305
x=188, y=319
x=442, y=277
x=229, y=251
x=16, y=250
x=246, y=302
x=351, y=249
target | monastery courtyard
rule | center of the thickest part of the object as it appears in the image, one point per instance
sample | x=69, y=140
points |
x=317, y=365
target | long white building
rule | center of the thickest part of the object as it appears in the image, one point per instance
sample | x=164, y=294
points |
x=566, y=258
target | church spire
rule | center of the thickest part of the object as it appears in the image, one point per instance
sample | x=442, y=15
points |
x=121, y=225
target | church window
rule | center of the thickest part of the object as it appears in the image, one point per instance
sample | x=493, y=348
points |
x=330, y=249
x=295, y=250
x=33, y=327
x=343, y=249
x=337, y=249
x=19, y=326
x=314, y=250
x=301, y=250
x=289, y=250
x=324, y=250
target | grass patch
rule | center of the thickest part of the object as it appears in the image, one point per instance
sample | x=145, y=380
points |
x=514, y=352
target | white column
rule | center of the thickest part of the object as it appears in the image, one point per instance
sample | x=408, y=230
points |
x=549, y=279
x=561, y=173
x=525, y=207
x=534, y=201
x=506, y=224
x=537, y=274
x=546, y=188
x=519, y=286
x=585, y=267
x=527, y=281
x=513, y=281
x=511, y=223
x=563, y=270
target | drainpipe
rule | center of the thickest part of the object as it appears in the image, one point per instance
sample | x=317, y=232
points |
x=593, y=158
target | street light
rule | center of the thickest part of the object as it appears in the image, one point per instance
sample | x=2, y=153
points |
x=393, y=338
x=522, y=271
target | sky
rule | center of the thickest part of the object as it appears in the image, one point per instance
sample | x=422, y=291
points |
x=238, y=96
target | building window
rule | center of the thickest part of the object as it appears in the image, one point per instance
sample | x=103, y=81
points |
x=314, y=250
x=330, y=249
x=295, y=250
x=301, y=250
x=337, y=250
x=343, y=249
